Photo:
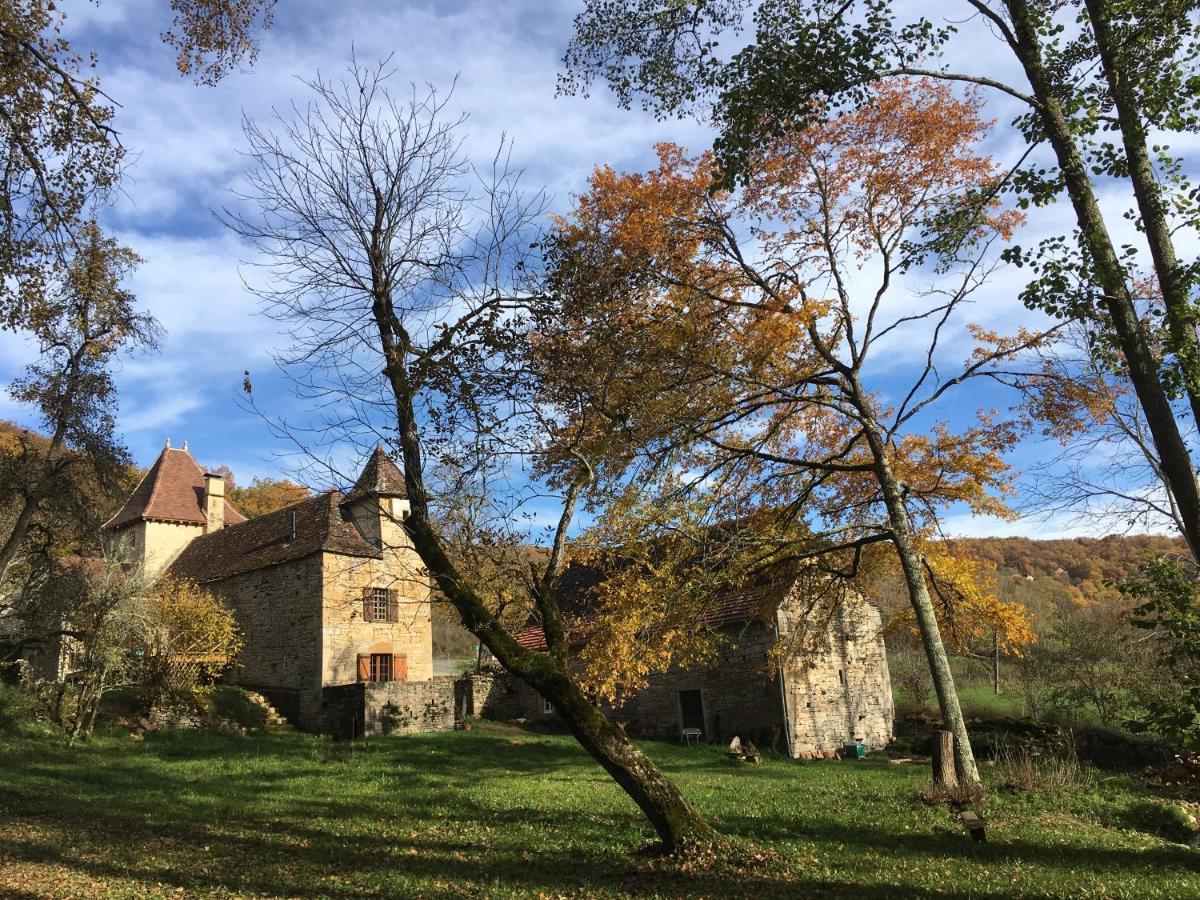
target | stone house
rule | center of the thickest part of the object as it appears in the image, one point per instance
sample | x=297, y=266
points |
x=331, y=597
x=815, y=702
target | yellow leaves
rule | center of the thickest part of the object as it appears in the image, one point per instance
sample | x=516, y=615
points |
x=964, y=466
x=969, y=608
x=265, y=495
x=188, y=620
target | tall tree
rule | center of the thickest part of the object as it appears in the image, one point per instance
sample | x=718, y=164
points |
x=1087, y=67
x=81, y=325
x=395, y=281
x=61, y=151
x=764, y=319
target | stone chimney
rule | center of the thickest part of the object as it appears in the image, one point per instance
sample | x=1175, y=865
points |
x=214, y=502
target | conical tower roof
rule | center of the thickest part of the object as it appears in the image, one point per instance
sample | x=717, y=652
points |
x=380, y=478
x=172, y=491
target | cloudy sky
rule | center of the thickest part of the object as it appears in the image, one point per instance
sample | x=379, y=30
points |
x=184, y=143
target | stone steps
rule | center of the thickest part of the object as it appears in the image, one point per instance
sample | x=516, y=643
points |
x=272, y=720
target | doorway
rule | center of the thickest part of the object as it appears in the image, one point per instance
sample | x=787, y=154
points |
x=691, y=710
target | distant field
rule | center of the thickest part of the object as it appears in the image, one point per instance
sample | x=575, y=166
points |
x=502, y=812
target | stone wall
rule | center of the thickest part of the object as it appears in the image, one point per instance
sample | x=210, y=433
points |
x=840, y=691
x=837, y=692
x=396, y=707
x=347, y=634
x=279, y=611
x=503, y=697
x=738, y=695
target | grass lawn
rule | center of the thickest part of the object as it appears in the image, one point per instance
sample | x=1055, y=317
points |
x=501, y=812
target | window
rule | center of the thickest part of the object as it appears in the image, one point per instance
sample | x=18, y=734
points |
x=379, y=605
x=547, y=707
x=381, y=667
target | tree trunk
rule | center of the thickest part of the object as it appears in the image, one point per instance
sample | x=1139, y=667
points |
x=676, y=822
x=944, y=774
x=995, y=662
x=1176, y=461
x=918, y=593
x=20, y=527
x=1181, y=319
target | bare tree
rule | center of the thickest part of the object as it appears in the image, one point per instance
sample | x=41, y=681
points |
x=397, y=268
x=1108, y=471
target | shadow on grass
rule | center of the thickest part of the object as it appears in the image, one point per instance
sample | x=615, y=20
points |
x=294, y=815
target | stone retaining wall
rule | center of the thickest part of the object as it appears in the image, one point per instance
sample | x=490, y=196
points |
x=396, y=707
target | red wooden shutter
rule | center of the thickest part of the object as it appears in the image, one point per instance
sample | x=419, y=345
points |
x=399, y=667
x=368, y=613
x=393, y=605
x=364, y=667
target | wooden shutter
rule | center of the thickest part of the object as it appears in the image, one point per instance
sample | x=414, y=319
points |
x=368, y=612
x=364, y=667
x=399, y=667
x=393, y=605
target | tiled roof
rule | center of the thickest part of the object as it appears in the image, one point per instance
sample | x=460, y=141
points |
x=380, y=476
x=267, y=540
x=172, y=491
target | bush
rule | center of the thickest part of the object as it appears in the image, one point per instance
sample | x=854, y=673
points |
x=1119, y=751
x=18, y=709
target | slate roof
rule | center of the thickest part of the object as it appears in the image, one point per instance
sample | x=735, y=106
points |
x=172, y=491
x=267, y=540
x=379, y=477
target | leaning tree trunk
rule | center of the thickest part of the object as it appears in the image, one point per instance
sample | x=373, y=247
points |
x=1172, y=279
x=904, y=542
x=1176, y=461
x=676, y=822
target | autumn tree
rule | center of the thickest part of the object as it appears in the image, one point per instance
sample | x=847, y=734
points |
x=1097, y=78
x=61, y=278
x=82, y=323
x=396, y=268
x=61, y=148
x=775, y=310
x=265, y=495
x=187, y=633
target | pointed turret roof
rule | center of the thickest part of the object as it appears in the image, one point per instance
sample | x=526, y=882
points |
x=172, y=491
x=380, y=478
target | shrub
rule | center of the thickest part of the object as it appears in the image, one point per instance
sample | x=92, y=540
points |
x=1115, y=750
x=18, y=709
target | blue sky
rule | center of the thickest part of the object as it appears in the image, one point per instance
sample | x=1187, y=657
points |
x=184, y=143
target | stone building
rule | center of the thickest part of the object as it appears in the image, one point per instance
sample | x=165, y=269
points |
x=330, y=595
x=816, y=702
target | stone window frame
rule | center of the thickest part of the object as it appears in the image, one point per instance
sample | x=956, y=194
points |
x=547, y=707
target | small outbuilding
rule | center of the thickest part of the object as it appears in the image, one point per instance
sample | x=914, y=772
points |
x=820, y=699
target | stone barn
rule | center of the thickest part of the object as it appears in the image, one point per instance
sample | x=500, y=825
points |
x=816, y=702
x=331, y=597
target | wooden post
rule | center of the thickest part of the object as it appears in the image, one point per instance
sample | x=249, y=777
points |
x=995, y=661
x=944, y=774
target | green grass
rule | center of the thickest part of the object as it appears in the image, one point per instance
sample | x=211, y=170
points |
x=501, y=812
